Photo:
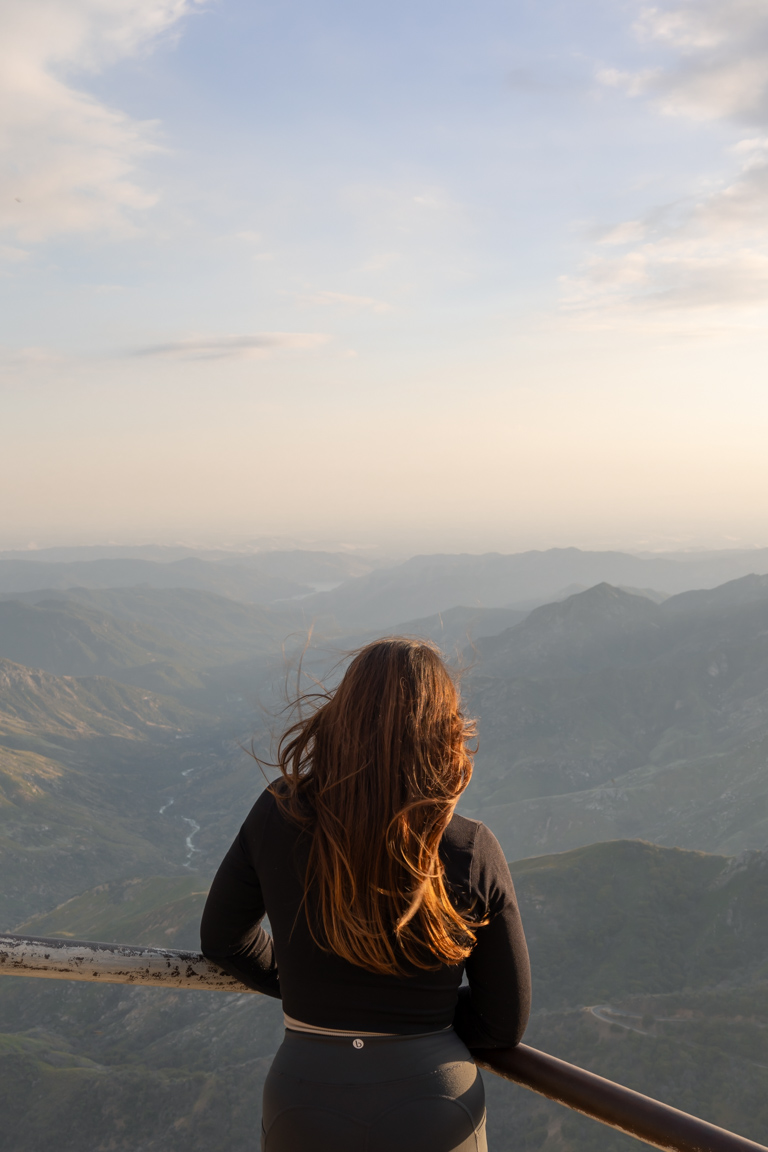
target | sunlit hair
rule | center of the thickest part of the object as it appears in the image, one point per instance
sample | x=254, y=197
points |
x=373, y=774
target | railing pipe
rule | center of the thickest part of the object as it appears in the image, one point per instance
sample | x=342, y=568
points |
x=612, y=1104
x=618, y=1107
x=111, y=964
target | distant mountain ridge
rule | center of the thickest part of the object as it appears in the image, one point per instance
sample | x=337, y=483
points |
x=238, y=581
x=611, y=627
x=604, y=625
x=425, y=585
x=362, y=595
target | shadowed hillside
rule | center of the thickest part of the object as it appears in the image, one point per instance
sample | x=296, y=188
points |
x=161, y=639
x=608, y=715
x=189, y=617
x=70, y=639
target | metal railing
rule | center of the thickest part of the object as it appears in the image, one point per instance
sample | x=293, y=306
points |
x=631, y=1112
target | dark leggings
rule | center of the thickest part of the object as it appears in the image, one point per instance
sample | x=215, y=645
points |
x=373, y=1094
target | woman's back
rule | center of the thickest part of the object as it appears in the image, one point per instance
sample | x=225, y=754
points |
x=265, y=870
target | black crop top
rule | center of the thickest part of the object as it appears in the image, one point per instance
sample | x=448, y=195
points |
x=264, y=871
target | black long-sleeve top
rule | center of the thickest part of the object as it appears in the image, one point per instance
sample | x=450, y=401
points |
x=264, y=872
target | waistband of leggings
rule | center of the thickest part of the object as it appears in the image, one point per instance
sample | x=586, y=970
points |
x=365, y=1039
x=366, y=1059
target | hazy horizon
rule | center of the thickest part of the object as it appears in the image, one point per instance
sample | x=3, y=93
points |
x=381, y=551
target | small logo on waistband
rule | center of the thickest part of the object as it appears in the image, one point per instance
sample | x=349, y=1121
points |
x=357, y=1043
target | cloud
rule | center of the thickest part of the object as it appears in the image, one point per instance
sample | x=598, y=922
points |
x=703, y=256
x=342, y=300
x=68, y=161
x=707, y=254
x=233, y=347
x=720, y=64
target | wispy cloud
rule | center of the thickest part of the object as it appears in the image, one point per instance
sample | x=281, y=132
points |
x=68, y=161
x=233, y=347
x=344, y=300
x=707, y=253
x=720, y=68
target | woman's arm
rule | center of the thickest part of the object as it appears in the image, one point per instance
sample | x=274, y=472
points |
x=493, y=1011
x=231, y=932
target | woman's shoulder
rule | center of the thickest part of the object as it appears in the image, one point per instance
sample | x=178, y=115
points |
x=267, y=808
x=267, y=827
x=463, y=842
x=462, y=833
x=469, y=835
x=470, y=847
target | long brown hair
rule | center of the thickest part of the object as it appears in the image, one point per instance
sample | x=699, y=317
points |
x=373, y=774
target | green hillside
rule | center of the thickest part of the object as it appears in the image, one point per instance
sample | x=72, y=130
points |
x=37, y=708
x=629, y=917
x=192, y=618
x=62, y=826
x=84, y=766
x=172, y=641
x=163, y=911
x=71, y=639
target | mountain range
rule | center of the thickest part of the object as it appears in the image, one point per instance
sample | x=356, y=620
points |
x=425, y=585
x=361, y=594
x=608, y=715
x=239, y=581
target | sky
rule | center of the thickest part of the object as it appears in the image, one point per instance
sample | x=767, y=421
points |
x=421, y=276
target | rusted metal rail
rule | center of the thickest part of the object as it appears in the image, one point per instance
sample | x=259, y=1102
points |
x=111, y=964
x=631, y=1112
